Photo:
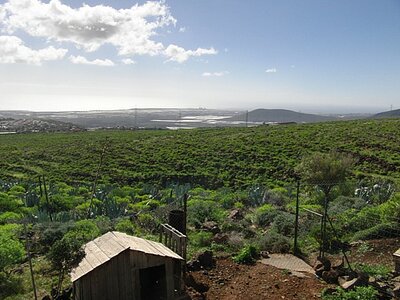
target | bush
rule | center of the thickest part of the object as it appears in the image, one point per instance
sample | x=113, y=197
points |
x=83, y=231
x=125, y=225
x=274, y=242
x=9, y=217
x=341, y=204
x=384, y=230
x=200, y=211
x=380, y=271
x=284, y=224
x=247, y=255
x=265, y=215
x=51, y=232
x=201, y=239
x=359, y=293
x=148, y=222
x=11, y=250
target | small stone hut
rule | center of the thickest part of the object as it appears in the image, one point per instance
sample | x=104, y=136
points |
x=118, y=266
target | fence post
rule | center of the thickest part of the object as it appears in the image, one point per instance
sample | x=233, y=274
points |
x=296, y=224
x=185, y=198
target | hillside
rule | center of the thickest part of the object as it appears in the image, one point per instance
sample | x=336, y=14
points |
x=241, y=197
x=10, y=125
x=281, y=116
x=209, y=157
x=387, y=114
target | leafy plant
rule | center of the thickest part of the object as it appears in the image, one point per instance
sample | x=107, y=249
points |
x=247, y=255
x=359, y=293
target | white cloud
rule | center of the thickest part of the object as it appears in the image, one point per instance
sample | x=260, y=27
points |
x=182, y=29
x=215, y=74
x=271, y=70
x=180, y=55
x=84, y=61
x=131, y=31
x=13, y=50
x=128, y=61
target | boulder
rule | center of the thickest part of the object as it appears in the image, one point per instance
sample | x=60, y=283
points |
x=330, y=276
x=221, y=238
x=235, y=215
x=206, y=259
x=361, y=280
x=323, y=264
x=211, y=226
x=203, y=260
x=396, y=290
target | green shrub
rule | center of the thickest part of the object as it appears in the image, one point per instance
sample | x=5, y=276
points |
x=51, y=232
x=341, y=204
x=247, y=255
x=125, y=225
x=147, y=221
x=9, y=217
x=200, y=239
x=200, y=211
x=274, y=242
x=284, y=224
x=359, y=293
x=265, y=215
x=9, y=203
x=83, y=231
x=384, y=230
x=11, y=250
x=381, y=271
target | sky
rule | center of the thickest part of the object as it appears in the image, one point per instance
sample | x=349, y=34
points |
x=312, y=55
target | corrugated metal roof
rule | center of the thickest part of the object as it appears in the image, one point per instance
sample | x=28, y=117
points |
x=109, y=245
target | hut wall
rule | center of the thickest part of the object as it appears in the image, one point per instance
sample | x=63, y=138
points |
x=119, y=278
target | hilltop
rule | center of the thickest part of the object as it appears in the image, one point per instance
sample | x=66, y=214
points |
x=282, y=116
x=388, y=114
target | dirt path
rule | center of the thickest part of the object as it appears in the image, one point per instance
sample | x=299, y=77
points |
x=230, y=281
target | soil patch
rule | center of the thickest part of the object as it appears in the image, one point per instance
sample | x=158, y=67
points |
x=231, y=281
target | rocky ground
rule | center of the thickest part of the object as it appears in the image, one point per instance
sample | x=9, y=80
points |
x=228, y=280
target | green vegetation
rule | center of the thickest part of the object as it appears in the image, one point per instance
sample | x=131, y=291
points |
x=365, y=293
x=212, y=158
x=240, y=183
x=247, y=255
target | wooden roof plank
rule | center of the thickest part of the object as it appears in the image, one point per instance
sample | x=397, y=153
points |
x=109, y=245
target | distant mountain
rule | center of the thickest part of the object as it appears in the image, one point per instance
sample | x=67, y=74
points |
x=281, y=116
x=388, y=114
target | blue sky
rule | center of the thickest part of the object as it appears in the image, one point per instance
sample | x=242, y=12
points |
x=316, y=56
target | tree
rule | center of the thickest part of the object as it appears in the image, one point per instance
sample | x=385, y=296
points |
x=325, y=170
x=64, y=255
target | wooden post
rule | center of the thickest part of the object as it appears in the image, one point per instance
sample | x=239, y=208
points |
x=185, y=199
x=296, y=224
x=49, y=208
x=28, y=253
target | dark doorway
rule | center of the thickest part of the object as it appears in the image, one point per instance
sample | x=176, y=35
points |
x=153, y=283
